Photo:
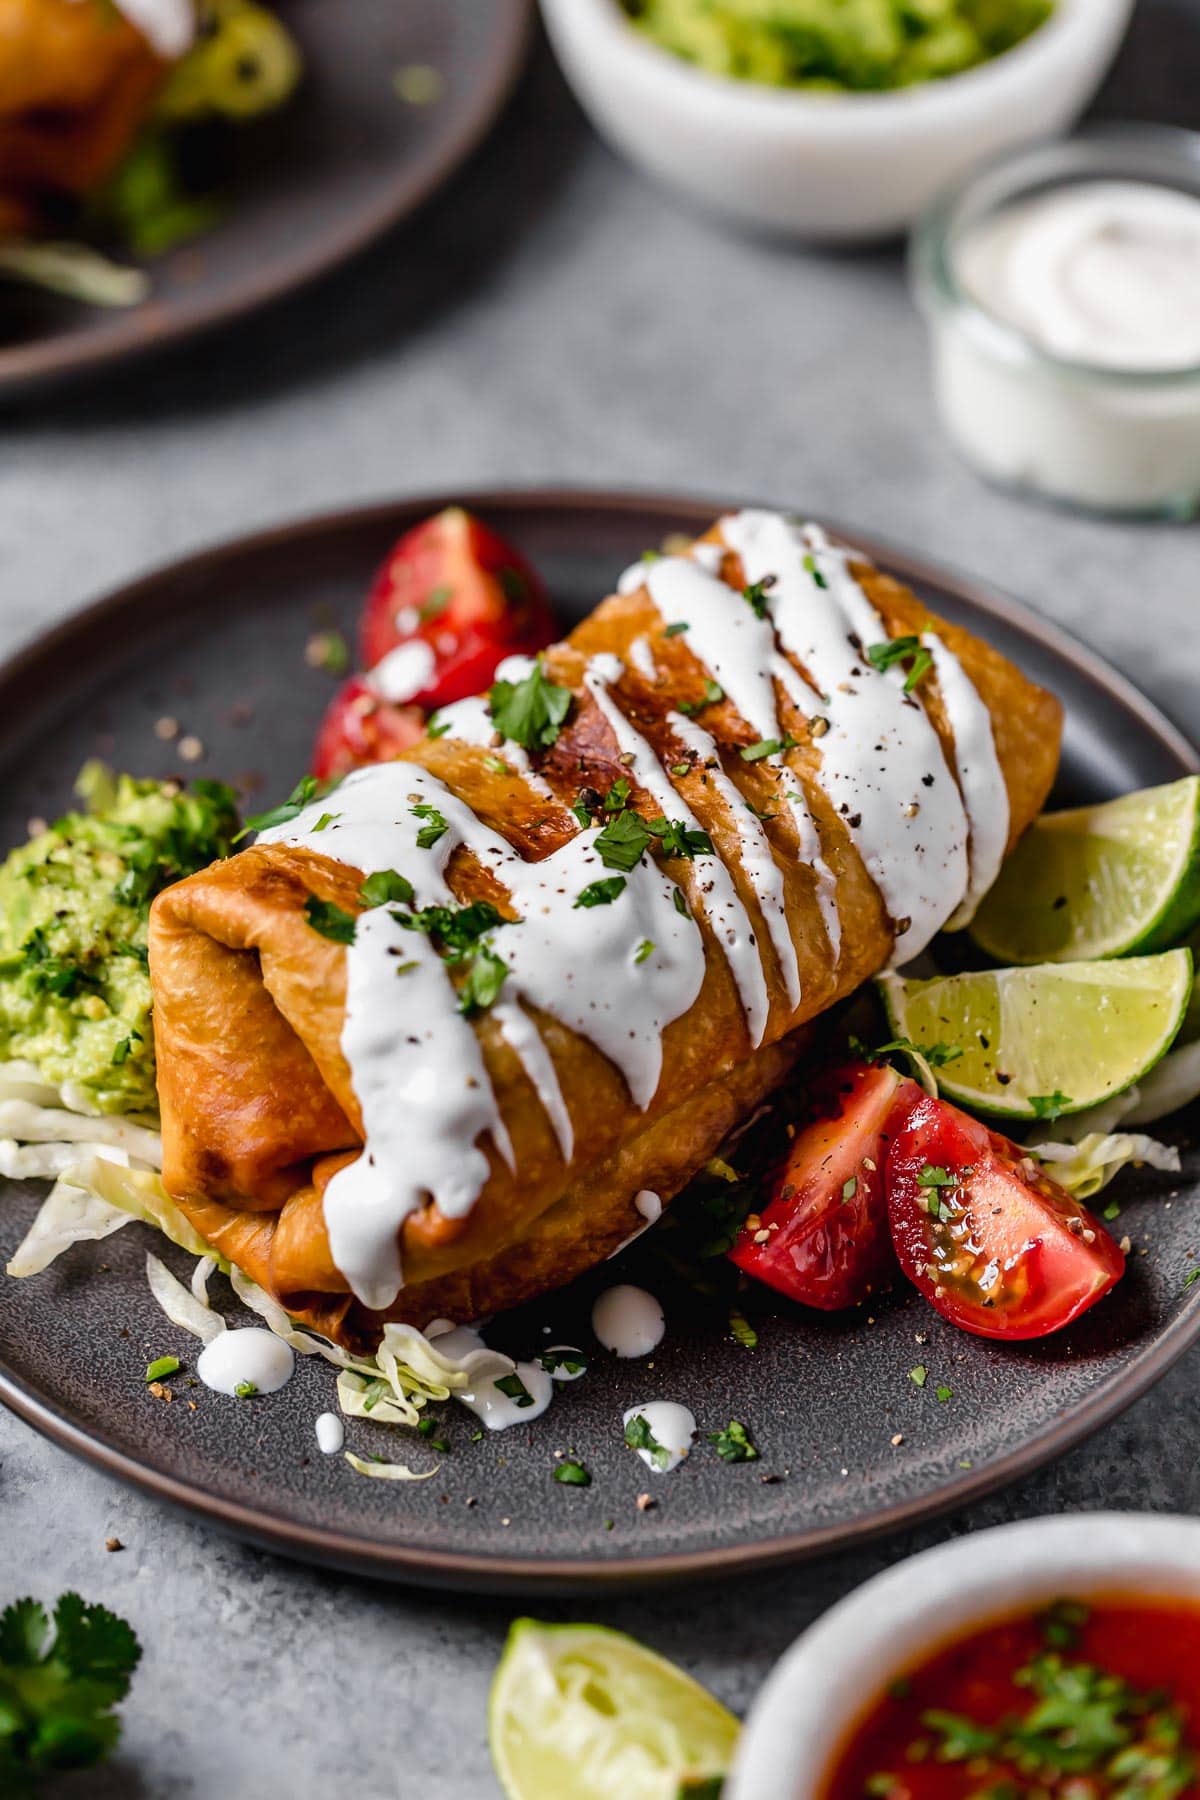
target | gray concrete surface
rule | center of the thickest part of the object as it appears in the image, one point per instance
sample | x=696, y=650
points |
x=549, y=318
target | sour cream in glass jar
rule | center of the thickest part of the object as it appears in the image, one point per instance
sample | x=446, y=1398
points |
x=1062, y=290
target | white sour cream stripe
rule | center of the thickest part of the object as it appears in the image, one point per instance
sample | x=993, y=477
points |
x=882, y=763
x=718, y=896
x=980, y=778
x=168, y=26
x=415, y=1061
x=757, y=859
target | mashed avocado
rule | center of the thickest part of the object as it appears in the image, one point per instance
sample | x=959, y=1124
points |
x=74, y=983
x=859, y=44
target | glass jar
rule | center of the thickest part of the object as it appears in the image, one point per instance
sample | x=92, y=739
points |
x=1090, y=435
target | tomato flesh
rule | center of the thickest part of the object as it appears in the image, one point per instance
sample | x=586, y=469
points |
x=827, y=1242
x=456, y=586
x=996, y=1246
x=359, y=728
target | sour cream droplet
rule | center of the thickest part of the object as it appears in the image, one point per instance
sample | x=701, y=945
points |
x=331, y=1434
x=247, y=1357
x=403, y=672
x=499, y=1410
x=628, y=1321
x=558, y=1370
x=671, y=1426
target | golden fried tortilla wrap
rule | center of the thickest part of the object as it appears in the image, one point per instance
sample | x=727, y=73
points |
x=261, y=1111
x=76, y=82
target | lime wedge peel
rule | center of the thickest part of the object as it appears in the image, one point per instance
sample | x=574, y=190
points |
x=1118, y=879
x=579, y=1712
x=1038, y=1043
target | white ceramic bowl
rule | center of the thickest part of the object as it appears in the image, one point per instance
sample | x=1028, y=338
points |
x=837, y=167
x=833, y=1673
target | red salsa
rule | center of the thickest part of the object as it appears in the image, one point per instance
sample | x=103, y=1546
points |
x=1079, y=1702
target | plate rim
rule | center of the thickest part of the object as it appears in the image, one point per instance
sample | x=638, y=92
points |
x=517, y=1574
x=130, y=335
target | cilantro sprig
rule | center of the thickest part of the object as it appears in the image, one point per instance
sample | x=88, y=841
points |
x=734, y=1444
x=529, y=712
x=60, y=1680
x=639, y=1436
x=908, y=650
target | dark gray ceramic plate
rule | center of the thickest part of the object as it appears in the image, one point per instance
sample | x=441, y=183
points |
x=218, y=642
x=307, y=187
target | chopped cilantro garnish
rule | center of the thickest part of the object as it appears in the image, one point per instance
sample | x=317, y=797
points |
x=485, y=977
x=496, y=765
x=160, y=1368
x=573, y=1361
x=617, y=796
x=766, y=747
x=678, y=839
x=944, y=1394
x=810, y=563
x=755, y=595
x=902, y=650
x=435, y=727
x=741, y=1330
x=639, y=1436
x=919, y=1376
x=712, y=693
x=435, y=604
x=733, y=1444
x=386, y=888
x=602, y=893
x=644, y=949
x=931, y=1176
x=623, y=842
x=330, y=920
x=325, y=820
x=850, y=1187
x=1050, y=1106
x=572, y=1474
x=514, y=1389
x=301, y=795
x=436, y=826
x=681, y=905
x=674, y=629
x=246, y=1390
x=529, y=712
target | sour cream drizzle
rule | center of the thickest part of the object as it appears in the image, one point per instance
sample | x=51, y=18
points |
x=618, y=974
x=418, y=1071
x=882, y=763
x=716, y=893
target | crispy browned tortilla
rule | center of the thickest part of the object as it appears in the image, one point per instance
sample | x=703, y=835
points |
x=257, y=1101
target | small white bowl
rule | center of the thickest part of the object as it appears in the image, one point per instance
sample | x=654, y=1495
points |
x=837, y=167
x=832, y=1675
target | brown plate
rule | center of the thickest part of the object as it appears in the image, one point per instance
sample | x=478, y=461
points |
x=218, y=642
x=306, y=187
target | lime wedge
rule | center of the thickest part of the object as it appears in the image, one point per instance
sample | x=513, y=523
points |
x=1105, y=880
x=1037, y=1043
x=578, y=1712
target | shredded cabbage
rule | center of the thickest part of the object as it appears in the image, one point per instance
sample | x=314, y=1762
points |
x=180, y=1305
x=386, y=1471
x=68, y=1215
x=1086, y=1167
x=74, y=270
x=200, y=1275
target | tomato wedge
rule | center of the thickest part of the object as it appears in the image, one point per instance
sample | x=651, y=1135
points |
x=463, y=599
x=359, y=727
x=827, y=1242
x=995, y=1245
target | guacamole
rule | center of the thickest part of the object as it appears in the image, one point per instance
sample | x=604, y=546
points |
x=838, y=44
x=74, y=981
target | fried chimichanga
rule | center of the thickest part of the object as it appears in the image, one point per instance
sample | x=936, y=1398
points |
x=753, y=777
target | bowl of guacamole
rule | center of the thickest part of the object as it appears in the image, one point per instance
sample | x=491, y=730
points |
x=831, y=120
x=858, y=46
